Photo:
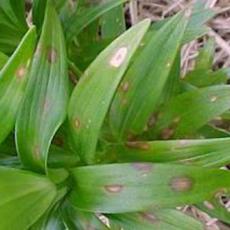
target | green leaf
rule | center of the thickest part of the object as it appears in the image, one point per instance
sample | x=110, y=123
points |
x=46, y=96
x=210, y=131
x=206, y=54
x=53, y=221
x=82, y=18
x=143, y=83
x=119, y=188
x=203, y=77
x=157, y=220
x=13, y=79
x=207, y=152
x=113, y=23
x=189, y=111
x=52, y=218
x=61, y=158
x=172, y=87
x=24, y=198
x=3, y=59
x=38, y=12
x=92, y=96
x=196, y=26
x=12, y=24
x=75, y=219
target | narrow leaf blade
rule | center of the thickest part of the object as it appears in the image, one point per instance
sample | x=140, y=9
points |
x=46, y=96
x=24, y=198
x=13, y=80
x=83, y=18
x=91, y=98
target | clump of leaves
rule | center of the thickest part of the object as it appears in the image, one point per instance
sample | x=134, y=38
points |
x=97, y=129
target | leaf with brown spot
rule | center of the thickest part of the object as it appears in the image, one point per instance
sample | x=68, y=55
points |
x=46, y=96
x=167, y=185
x=195, y=109
x=93, y=94
x=148, y=75
x=13, y=80
x=181, y=184
x=157, y=219
x=213, y=152
x=113, y=188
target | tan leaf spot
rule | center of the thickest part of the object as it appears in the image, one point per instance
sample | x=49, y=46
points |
x=181, y=184
x=46, y=105
x=176, y=120
x=152, y=120
x=125, y=86
x=167, y=133
x=77, y=123
x=149, y=217
x=21, y=72
x=52, y=55
x=142, y=167
x=37, y=152
x=138, y=145
x=119, y=57
x=114, y=188
x=213, y=98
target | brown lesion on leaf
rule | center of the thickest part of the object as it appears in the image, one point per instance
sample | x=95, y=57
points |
x=21, y=72
x=181, y=184
x=52, y=55
x=152, y=120
x=138, y=145
x=167, y=133
x=46, y=105
x=37, y=152
x=125, y=86
x=114, y=188
x=150, y=217
x=72, y=77
x=119, y=57
x=59, y=141
x=144, y=167
x=77, y=123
